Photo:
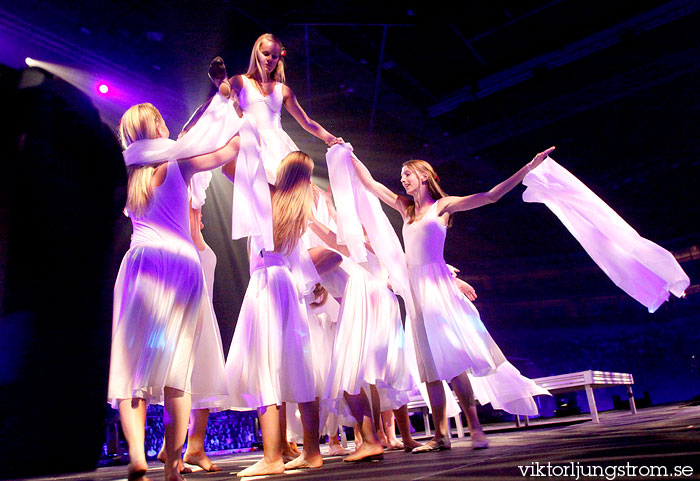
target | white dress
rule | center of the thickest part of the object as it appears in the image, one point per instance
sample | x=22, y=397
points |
x=369, y=345
x=209, y=356
x=264, y=114
x=159, y=296
x=270, y=360
x=449, y=337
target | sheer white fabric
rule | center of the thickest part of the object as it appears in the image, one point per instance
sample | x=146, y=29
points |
x=199, y=183
x=270, y=359
x=217, y=125
x=359, y=208
x=159, y=304
x=252, y=208
x=208, y=373
x=644, y=270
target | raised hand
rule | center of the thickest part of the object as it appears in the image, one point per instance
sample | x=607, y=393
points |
x=539, y=158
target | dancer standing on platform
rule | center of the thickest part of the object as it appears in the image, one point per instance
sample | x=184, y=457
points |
x=262, y=92
x=160, y=292
x=450, y=339
x=269, y=362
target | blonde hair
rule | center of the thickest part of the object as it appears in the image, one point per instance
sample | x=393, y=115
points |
x=139, y=122
x=254, y=67
x=292, y=198
x=422, y=167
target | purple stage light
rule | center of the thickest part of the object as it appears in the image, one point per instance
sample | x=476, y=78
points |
x=103, y=88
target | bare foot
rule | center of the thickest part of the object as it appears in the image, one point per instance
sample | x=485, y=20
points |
x=181, y=466
x=201, y=460
x=137, y=470
x=295, y=449
x=337, y=450
x=366, y=452
x=262, y=467
x=172, y=475
x=439, y=444
x=479, y=440
x=289, y=451
x=395, y=445
x=301, y=462
x=382, y=440
x=410, y=444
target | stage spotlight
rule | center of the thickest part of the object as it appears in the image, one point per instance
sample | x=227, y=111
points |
x=103, y=88
x=29, y=61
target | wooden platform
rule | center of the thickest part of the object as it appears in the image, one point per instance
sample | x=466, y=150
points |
x=666, y=436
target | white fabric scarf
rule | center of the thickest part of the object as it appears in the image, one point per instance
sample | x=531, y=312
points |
x=641, y=268
x=357, y=207
x=213, y=130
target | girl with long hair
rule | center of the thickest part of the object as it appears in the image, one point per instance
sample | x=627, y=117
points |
x=262, y=92
x=159, y=294
x=449, y=338
x=269, y=362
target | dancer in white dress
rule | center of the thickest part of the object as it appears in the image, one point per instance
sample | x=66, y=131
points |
x=159, y=292
x=270, y=361
x=450, y=339
x=262, y=92
x=368, y=348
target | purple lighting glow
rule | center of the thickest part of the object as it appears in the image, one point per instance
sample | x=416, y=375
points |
x=103, y=88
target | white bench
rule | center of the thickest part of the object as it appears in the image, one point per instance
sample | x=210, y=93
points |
x=561, y=383
x=587, y=380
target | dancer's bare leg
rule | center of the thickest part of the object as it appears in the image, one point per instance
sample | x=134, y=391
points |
x=358, y=437
x=370, y=448
x=441, y=439
x=404, y=423
x=181, y=465
x=195, y=441
x=271, y=462
x=390, y=430
x=465, y=394
x=377, y=416
x=289, y=450
x=334, y=446
x=132, y=413
x=311, y=455
x=175, y=419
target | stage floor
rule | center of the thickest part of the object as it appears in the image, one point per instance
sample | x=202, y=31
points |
x=639, y=446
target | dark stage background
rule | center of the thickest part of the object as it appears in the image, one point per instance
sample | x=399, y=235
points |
x=477, y=91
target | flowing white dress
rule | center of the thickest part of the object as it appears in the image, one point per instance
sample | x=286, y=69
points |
x=264, y=114
x=369, y=345
x=160, y=305
x=270, y=360
x=449, y=337
x=209, y=356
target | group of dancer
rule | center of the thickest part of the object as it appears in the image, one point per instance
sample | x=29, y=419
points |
x=320, y=327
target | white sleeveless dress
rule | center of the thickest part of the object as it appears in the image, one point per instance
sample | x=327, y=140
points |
x=159, y=296
x=449, y=337
x=264, y=114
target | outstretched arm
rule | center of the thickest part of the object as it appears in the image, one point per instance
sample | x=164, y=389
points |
x=455, y=204
x=212, y=160
x=384, y=194
x=310, y=125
